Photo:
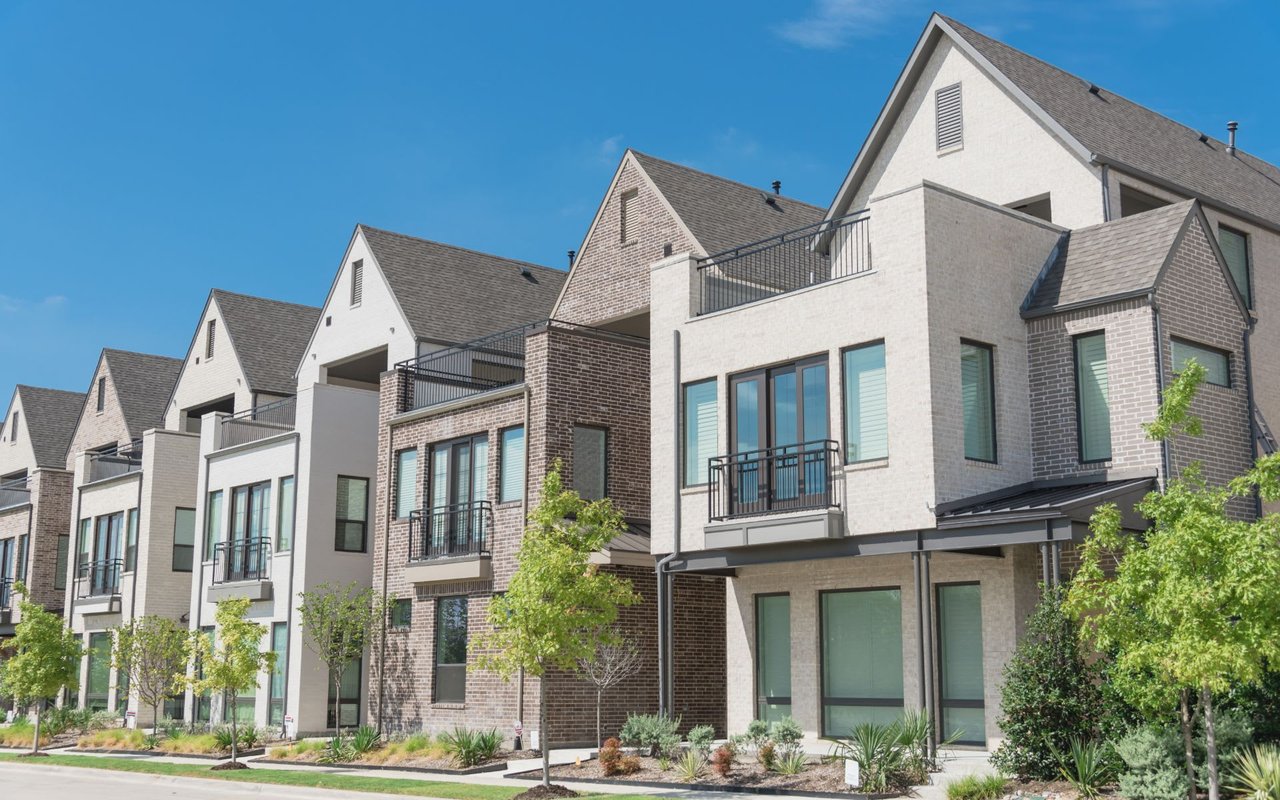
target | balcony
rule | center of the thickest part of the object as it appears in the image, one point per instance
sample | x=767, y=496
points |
x=99, y=587
x=482, y=365
x=788, y=493
x=785, y=263
x=450, y=543
x=259, y=422
x=115, y=461
x=15, y=493
x=241, y=569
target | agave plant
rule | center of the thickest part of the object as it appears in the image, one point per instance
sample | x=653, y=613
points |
x=366, y=739
x=1085, y=766
x=689, y=765
x=470, y=748
x=878, y=751
x=1255, y=773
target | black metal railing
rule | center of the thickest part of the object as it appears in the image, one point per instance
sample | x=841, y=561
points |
x=259, y=422
x=794, y=477
x=101, y=578
x=15, y=492
x=6, y=594
x=482, y=365
x=460, y=529
x=119, y=460
x=242, y=560
x=785, y=263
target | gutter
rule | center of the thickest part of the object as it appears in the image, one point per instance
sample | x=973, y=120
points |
x=666, y=692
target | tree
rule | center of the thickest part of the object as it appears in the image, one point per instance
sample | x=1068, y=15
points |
x=232, y=663
x=612, y=663
x=558, y=607
x=46, y=654
x=152, y=652
x=339, y=623
x=1192, y=607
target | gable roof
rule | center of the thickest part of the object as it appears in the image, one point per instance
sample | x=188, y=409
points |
x=268, y=336
x=451, y=294
x=142, y=383
x=51, y=416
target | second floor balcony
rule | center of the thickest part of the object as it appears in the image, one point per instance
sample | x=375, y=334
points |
x=16, y=492
x=241, y=568
x=259, y=422
x=98, y=586
x=115, y=461
x=450, y=543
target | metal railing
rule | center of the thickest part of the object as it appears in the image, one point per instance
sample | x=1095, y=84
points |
x=460, y=529
x=6, y=594
x=119, y=460
x=242, y=560
x=259, y=422
x=482, y=365
x=101, y=578
x=775, y=480
x=784, y=263
x=15, y=492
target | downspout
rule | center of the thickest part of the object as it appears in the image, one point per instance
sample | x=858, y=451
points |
x=204, y=537
x=1165, y=461
x=920, y=595
x=930, y=704
x=666, y=693
x=524, y=520
x=293, y=558
x=1253, y=411
x=137, y=546
x=1106, y=193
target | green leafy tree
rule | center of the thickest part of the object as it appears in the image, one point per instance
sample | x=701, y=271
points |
x=152, y=652
x=339, y=623
x=1192, y=607
x=46, y=654
x=559, y=608
x=231, y=664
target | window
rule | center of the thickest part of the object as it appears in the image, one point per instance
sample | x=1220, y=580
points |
x=102, y=394
x=275, y=692
x=83, y=546
x=1040, y=208
x=99, y=671
x=402, y=613
x=213, y=523
x=866, y=404
x=977, y=395
x=131, y=540
x=1216, y=363
x=211, y=331
x=60, y=570
x=1093, y=407
x=701, y=431
x=122, y=692
x=459, y=485
x=406, y=482
x=624, y=229
x=284, y=517
x=590, y=451
x=13, y=428
x=948, y=119
x=204, y=701
x=773, y=656
x=184, y=538
x=352, y=515
x=348, y=698
x=6, y=564
x=250, y=510
x=960, y=662
x=511, y=479
x=861, y=658
x=1235, y=249
x=20, y=566
x=451, y=650
x=357, y=282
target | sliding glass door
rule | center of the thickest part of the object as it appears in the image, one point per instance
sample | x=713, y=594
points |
x=459, y=488
x=861, y=658
x=960, y=672
x=773, y=656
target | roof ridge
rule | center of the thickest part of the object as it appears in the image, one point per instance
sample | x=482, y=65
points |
x=459, y=248
x=17, y=386
x=721, y=178
x=1144, y=215
x=216, y=291
x=118, y=351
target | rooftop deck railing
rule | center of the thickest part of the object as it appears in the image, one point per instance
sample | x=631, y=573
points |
x=784, y=263
x=120, y=460
x=259, y=422
x=15, y=492
x=796, y=477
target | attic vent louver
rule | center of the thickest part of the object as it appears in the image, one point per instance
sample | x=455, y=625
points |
x=357, y=281
x=949, y=119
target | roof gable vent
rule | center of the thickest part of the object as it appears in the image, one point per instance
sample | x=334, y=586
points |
x=948, y=117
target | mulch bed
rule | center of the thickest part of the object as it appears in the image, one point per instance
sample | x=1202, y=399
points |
x=230, y=765
x=257, y=751
x=545, y=792
x=438, y=766
x=1049, y=790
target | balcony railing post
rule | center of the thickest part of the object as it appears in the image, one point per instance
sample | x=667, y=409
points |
x=785, y=478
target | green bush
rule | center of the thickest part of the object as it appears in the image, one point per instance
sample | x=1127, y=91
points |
x=650, y=732
x=223, y=738
x=1255, y=773
x=791, y=762
x=976, y=787
x=1086, y=766
x=366, y=739
x=879, y=754
x=689, y=765
x=701, y=737
x=249, y=737
x=1151, y=771
x=470, y=748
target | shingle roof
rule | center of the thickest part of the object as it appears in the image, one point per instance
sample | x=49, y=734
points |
x=1037, y=501
x=269, y=337
x=51, y=420
x=1114, y=259
x=723, y=214
x=450, y=294
x=142, y=383
x=1119, y=130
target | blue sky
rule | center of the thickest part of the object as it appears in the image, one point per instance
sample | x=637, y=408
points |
x=150, y=151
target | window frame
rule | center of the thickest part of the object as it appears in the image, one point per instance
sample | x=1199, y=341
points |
x=101, y=401
x=283, y=540
x=1246, y=293
x=845, y=422
x=995, y=402
x=604, y=459
x=758, y=700
x=1075, y=377
x=502, y=463
x=767, y=424
x=1226, y=356
x=685, y=428
x=275, y=700
x=435, y=656
x=358, y=662
x=822, y=657
x=261, y=489
x=936, y=600
x=23, y=547
x=397, y=486
x=212, y=527
x=173, y=558
x=130, y=533
x=396, y=622
x=13, y=428
x=339, y=522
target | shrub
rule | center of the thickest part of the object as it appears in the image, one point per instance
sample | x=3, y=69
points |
x=689, y=765
x=202, y=743
x=470, y=748
x=1151, y=771
x=1086, y=766
x=222, y=736
x=757, y=734
x=722, y=761
x=416, y=743
x=366, y=739
x=650, y=732
x=700, y=739
x=976, y=787
x=879, y=754
x=1255, y=773
x=786, y=732
x=914, y=730
x=114, y=739
x=610, y=755
x=766, y=755
x=337, y=751
x=628, y=765
x=249, y=737
x=792, y=762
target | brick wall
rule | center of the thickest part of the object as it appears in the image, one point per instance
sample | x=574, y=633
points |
x=51, y=496
x=98, y=428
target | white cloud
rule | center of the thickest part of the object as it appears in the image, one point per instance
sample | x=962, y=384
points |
x=609, y=150
x=830, y=24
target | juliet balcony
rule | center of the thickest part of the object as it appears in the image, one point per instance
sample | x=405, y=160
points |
x=259, y=422
x=241, y=569
x=98, y=586
x=450, y=543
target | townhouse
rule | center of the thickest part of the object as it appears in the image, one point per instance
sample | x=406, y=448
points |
x=468, y=434
x=892, y=425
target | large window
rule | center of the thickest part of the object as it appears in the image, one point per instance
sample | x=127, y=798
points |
x=861, y=658
x=248, y=546
x=1093, y=405
x=459, y=485
x=451, y=650
x=279, y=648
x=978, y=398
x=590, y=460
x=701, y=431
x=960, y=663
x=284, y=518
x=184, y=538
x=773, y=656
x=352, y=514
x=99, y=685
x=20, y=566
x=511, y=481
x=84, y=546
x=406, y=482
x=1235, y=249
x=213, y=524
x=348, y=697
x=1216, y=363
x=866, y=404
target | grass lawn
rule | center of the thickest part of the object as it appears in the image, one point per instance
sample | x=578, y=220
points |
x=311, y=778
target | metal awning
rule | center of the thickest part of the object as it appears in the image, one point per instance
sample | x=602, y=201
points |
x=1047, y=500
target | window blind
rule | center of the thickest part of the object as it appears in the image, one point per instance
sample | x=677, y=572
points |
x=701, y=431
x=1215, y=362
x=512, y=464
x=406, y=482
x=1235, y=249
x=866, y=409
x=978, y=403
x=1092, y=397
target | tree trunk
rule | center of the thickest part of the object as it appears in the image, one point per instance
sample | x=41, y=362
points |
x=35, y=743
x=235, y=701
x=599, y=697
x=543, y=741
x=1211, y=743
x=155, y=720
x=337, y=699
x=1188, y=753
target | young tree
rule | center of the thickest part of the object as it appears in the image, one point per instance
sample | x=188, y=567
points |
x=558, y=607
x=1192, y=606
x=45, y=656
x=152, y=651
x=339, y=623
x=232, y=663
x=612, y=663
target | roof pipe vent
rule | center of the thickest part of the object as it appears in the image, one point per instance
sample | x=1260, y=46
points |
x=1094, y=90
x=1231, y=137
x=777, y=187
x=525, y=272
x=572, y=255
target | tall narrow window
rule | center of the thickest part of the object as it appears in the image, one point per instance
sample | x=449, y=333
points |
x=184, y=538
x=352, y=515
x=213, y=523
x=960, y=663
x=204, y=701
x=949, y=117
x=406, y=482
x=511, y=481
x=211, y=332
x=122, y=692
x=866, y=404
x=60, y=567
x=1216, y=363
x=1093, y=407
x=131, y=540
x=357, y=282
x=348, y=698
x=20, y=566
x=451, y=650
x=101, y=394
x=1235, y=249
x=13, y=428
x=773, y=656
x=84, y=546
x=977, y=395
x=625, y=208
x=99, y=684
x=861, y=658
x=280, y=649
x=701, y=431
x=284, y=519
x=590, y=453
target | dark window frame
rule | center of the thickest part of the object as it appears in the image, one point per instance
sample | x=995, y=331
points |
x=767, y=425
x=758, y=700
x=283, y=540
x=823, y=700
x=101, y=401
x=275, y=702
x=604, y=477
x=191, y=560
x=345, y=701
x=844, y=416
x=435, y=656
x=13, y=428
x=451, y=498
x=995, y=401
x=397, y=621
x=339, y=522
x=1247, y=292
x=1226, y=354
x=684, y=431
x=502, y=461
x=940, y=659
x=1075, y=379
x=396, y=484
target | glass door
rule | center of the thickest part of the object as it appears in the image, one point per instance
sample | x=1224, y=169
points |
x=105, y=570
x=459, y=478
x=6, y=565
x=960, y=663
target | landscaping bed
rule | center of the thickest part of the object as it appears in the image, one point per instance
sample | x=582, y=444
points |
x=459, y=753
x=176, y=742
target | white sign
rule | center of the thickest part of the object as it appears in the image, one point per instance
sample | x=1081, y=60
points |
x=131, y=719
x=852, y=777
x=519, y=727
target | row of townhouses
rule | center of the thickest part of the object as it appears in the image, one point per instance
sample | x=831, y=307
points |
x=850, y=442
